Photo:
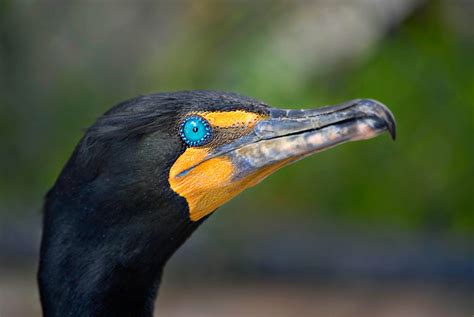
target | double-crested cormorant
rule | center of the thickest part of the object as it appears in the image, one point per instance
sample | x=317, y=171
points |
x=150, y=171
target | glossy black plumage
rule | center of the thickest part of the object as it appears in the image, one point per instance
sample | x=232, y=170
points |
x=111, y=220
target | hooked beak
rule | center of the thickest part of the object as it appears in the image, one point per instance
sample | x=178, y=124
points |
x=208, y=177
x=290, y=135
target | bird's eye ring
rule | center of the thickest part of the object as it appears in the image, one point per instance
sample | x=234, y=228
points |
x=195, y=131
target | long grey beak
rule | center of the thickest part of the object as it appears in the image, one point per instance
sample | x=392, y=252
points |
x=286, y=122
x=289, y=135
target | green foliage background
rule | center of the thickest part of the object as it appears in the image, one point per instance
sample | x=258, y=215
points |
x=423, y=70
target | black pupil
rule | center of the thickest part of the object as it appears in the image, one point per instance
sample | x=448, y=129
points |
x=195, y=129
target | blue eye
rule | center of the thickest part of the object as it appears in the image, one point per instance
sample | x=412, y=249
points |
x=195, y=131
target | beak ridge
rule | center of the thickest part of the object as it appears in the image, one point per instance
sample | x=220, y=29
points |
x=287, y=122
x=290, y=135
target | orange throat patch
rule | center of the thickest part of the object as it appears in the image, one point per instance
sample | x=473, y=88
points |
x=210, y=184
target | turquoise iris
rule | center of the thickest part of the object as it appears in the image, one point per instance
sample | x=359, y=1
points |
x=195, y=131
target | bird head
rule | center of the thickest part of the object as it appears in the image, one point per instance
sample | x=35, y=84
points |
x=207, y=147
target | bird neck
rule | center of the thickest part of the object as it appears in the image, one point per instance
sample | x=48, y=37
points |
x=115, y=290
x=102, y=260
x=97, y=288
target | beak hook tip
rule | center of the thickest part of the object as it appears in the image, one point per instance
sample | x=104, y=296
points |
x=387, y=115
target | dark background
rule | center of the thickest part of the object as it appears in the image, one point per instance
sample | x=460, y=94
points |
x=370, y=228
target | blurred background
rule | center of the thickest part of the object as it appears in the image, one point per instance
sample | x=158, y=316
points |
x=372, y=228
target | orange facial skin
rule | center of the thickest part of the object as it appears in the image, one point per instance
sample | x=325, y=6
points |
x=232, y=118
x=209, y=183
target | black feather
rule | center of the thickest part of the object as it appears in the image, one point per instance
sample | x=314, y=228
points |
x=111, y=220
